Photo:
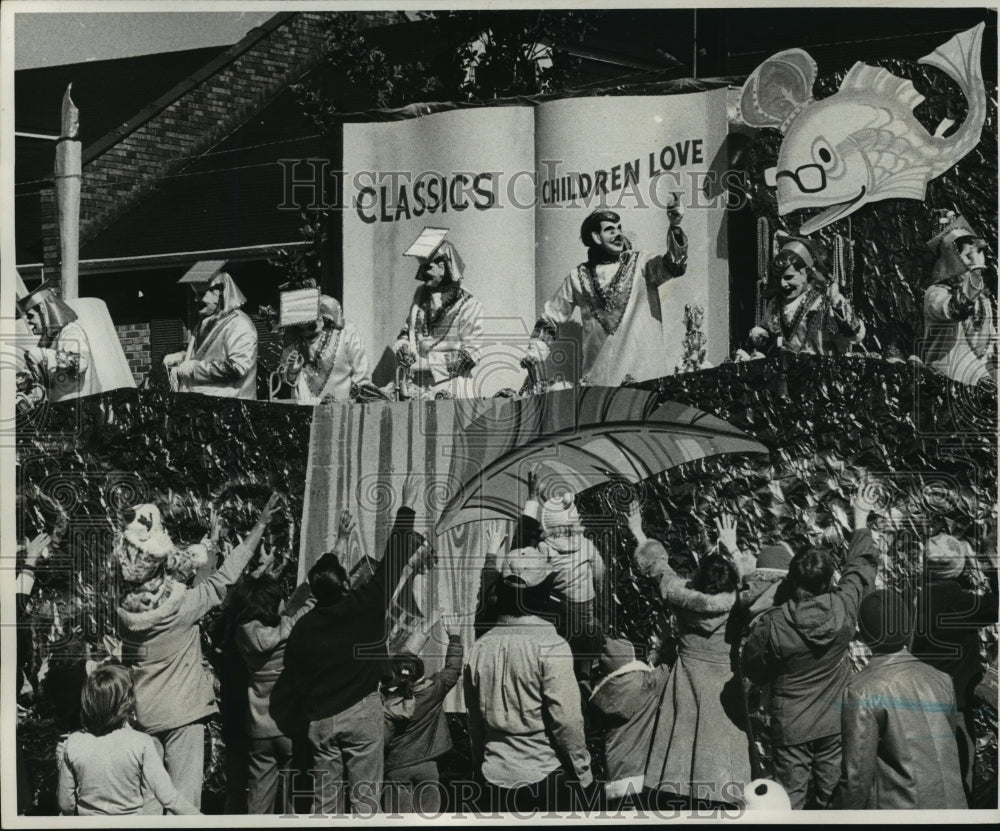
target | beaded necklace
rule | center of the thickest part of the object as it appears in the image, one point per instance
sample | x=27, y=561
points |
x=608, y=305
x=453, y=298
x=314, y=356
x=972, y=327
x=788, y=328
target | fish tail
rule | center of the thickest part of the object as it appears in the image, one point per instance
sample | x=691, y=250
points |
x=960, y=60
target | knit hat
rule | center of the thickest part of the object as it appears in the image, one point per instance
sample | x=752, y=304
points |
x=525, y=587
x=766, y=795
x=616, y=654
x=406, y=665
x=144, y=544
x=561, y=522
x=945, y=556
x=148, y=557
x=559, y=510
x=525, y=567
x=885, y=621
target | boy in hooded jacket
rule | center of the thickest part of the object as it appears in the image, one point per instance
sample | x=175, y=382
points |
x=801, y=649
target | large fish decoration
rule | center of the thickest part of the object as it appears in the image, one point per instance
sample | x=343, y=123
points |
x=863, y=143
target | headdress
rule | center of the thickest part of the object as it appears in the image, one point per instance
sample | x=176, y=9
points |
x=446, y=251
x=54, y=311
x=946, y=556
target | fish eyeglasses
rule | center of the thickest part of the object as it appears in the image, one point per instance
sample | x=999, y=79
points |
x=810, y=178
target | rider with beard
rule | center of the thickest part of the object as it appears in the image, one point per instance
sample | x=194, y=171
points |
x=618, y=292
x=439, y=343
x=221, y=357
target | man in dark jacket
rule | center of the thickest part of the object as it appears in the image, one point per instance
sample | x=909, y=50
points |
x=899, y=721
x=949, y=616
x=800, y=649
x=335, y=660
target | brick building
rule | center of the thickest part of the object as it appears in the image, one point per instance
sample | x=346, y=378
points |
x=192, y=176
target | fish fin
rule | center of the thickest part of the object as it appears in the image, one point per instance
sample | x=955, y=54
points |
x=896, y=172
x=959, y=58
x=874, y=80
x=943, y=127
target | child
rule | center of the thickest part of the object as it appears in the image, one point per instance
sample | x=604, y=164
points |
x=625, y=704
x=264, y=628
x=103, y=768
x=579, y=577
x=416, y=728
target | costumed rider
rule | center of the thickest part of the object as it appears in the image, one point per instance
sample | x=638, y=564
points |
x=960, y=336
x=324, y=360
x=807, y=312
x=221, y=357
x=617, y=293
x=62, y=362
x=439, y=343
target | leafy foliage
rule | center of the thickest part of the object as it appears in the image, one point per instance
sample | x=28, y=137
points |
x=446, y=56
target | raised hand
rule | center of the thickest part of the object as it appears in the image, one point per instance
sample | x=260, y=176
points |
x=675, y=210
x=36, y=548
x=452, y=623
x=274, y=504
x=410, y=485
x=533, y=491
x=726, y=526
x=866, y=498
x=634, y=520
x=346, y=526
x=495, y=539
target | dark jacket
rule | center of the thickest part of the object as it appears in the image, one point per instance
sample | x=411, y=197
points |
x=949, y=617
x=800, y=648
x=625, y=705
x=336, y=655
x=420, y=735
x=900, y=749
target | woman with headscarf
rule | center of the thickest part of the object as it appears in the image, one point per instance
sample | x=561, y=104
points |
x=960, y=336
x=159, y=623
x=221, y=357
x=699, y=748
x=62, y=362
x=808, y=312
x=440, y=340
x=324, y=359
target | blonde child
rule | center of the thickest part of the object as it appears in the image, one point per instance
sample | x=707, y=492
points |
x=105, y=767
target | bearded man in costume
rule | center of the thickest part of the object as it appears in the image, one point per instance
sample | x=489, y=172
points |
x=324, y=360
x=439, y=343
x=809, y=314
x=221, y=357
x=62, y=362
x=960, y=336
x=616, y=291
